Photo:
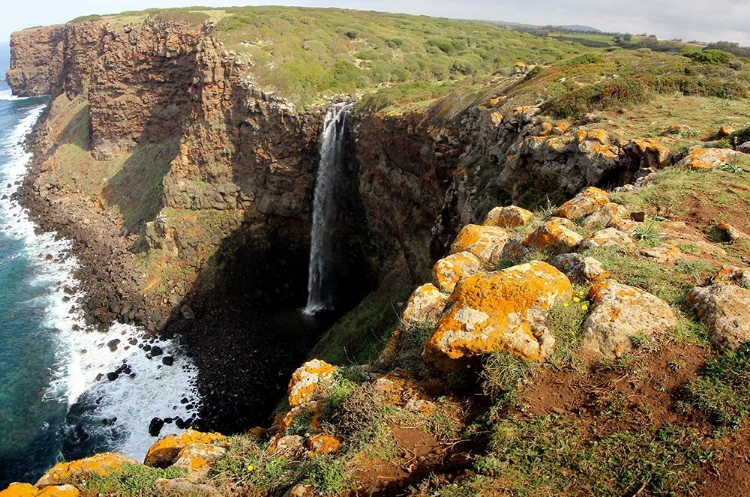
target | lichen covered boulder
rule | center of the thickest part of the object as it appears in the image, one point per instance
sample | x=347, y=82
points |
x=310, y=382
x=725, y=309
x=20, y=490
x=580, y=269
x=608, y=238
x=621, y=312
x=322, y=444
x=585, y=203
x=508, y=217
x=425, y=305
x=485, y=242
x=496, y=311
x=555, y=235
x=59, y=491
x=166, y=451
x=707, y=158
x=198, y=459
x=733, y=275
x=102, y=464
x=450, y=270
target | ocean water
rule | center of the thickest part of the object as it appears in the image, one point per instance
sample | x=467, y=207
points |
x=56, y=400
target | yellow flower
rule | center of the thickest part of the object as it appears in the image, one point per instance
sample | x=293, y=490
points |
x=250, y=467
x=581, y=293
x=576, y=299
x=585, y=307
x=566, y=304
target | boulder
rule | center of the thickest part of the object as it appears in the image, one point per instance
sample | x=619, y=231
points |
x=322, y=444
x=733, y=275
x=310, y=382
x=424, y=307
x=289, y=446
x=59, y=491
x=744, y=147
x=606, y=216
x=198, y=459
x=503, y=310
x=580, y=269
x=707, y=158
x=725, y=309
x=452, y=269
x=731, y=233
x=485, y=242
x=619, y=313
x=19, y=490
x=514, y=250
x=182, y=486
x=164, y=452
x=607, y=238
x=555, y=235
x=650, y=153
x=102, y=464
x=725, y=131
x=508, y=217
x=585, y=203
x=664, y=254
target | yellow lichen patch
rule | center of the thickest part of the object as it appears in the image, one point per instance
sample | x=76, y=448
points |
x=586, y=202
x=497, y=311
x=20, y=490
x=198, y=459
x=554, y=235
x=452, y=269
x=599, y=135
x=556, y=144
x=655, y=152
x=707, y=158
x=425, y=305
x=733, y=275
x=545, y=129
x=322, y=444
x=397, y=388
x=165, y=451
x=309, y=381
x=508, y=217
x=521, y=110
x=59, y=491
x=99, y=464
x=561, y=128
x=497, y=118
x=485, y=242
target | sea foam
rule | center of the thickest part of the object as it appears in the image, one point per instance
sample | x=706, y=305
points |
x=117, y=412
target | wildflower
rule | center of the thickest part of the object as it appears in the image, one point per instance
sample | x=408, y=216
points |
x=581, y=293
x=250, y=467
x=585, y=307
x=566, y=304
x=576, y=299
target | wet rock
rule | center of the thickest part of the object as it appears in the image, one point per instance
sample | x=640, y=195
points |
x=503, y=310
x=155, y=426
x=112, y=344
x=156, y=351
x=619, y=313
x=167, y=360
x=113, y=375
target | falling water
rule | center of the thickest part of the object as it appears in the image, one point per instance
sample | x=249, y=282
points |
x=319, y=294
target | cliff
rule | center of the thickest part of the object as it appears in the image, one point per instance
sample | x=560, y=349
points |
x=186, y=184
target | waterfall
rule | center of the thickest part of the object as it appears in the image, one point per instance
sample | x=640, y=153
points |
x=319, y=291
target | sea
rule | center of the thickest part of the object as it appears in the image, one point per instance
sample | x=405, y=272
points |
x=57, y=400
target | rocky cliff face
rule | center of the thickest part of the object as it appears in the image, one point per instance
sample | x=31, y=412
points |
x=36, y=60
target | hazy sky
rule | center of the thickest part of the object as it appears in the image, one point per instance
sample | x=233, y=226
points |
x=705, y=20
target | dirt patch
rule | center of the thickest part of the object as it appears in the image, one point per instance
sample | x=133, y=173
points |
x=729, y=472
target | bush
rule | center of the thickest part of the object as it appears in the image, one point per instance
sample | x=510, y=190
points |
x=710, y=56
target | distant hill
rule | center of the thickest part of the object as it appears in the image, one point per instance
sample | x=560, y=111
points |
x=579, y=27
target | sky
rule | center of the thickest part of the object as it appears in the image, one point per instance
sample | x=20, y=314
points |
x=703, y=20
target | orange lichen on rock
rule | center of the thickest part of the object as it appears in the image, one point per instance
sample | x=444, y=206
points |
x=508, y=217
x=496, y=118
x=652, y=152
x=621, y=312
x=20, y=490
x=59, y=491
x=503, y=310
x=450, y=270
x=425, y=305
x=485, y=242
x=555, y=235
x=586, y=202
x=102, y=464
x=322, y=444
x=733, y=275
x=725, y=309
x=198, y=459
x=164, y=452
x=309, y=382
x=707, y=158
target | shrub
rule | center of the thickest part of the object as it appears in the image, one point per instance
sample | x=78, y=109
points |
x=710, y=56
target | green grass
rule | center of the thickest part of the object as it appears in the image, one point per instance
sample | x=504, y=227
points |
x=360, y=335
x=502, y=376
x=564, y=320
x=132, y=480
x=554, y=456
x=723, y=390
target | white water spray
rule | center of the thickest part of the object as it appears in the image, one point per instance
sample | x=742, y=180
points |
x=319, y=294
